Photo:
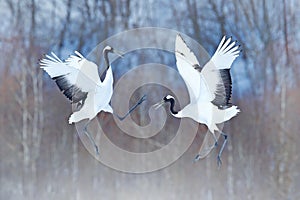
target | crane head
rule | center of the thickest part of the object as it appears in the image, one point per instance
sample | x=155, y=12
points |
x=163, y=101
x=109, y=49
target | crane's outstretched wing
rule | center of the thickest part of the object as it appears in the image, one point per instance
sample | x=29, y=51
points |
x=75, y=77
x=216, y=74
x=213, y=83
x=187, y=64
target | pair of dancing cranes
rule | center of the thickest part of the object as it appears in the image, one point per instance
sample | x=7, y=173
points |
x=209, y=87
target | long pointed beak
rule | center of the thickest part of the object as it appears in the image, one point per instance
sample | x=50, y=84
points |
x=119, y=53
x=159, y=104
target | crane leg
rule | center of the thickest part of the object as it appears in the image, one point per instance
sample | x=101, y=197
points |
x=90, y=137
x=222, y=148
x=216, y=140
x=132, y=108
x=206, y=141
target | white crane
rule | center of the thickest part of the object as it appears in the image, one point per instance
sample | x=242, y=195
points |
x=209, y=87
x=79, y=81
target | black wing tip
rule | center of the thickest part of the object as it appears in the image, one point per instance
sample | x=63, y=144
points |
x=223, y=94
x=72, y=92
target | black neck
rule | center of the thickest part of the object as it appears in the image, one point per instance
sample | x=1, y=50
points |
x=172, y=102
x=105, y=55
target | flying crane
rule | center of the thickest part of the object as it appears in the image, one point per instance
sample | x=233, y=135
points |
x=79, y=81
x=209, y=87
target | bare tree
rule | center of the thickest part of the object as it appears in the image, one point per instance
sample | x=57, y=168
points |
x=41, y=154
x=283, y=166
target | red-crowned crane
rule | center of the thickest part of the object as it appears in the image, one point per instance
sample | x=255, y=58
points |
x=209, y=87
x=79, y=81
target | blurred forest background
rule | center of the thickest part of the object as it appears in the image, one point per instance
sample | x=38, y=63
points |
x=42, y=156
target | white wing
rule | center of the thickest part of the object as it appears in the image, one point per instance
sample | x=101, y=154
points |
x=187, y=64
x=213, y=83
x=216, y=73
x=75, y=77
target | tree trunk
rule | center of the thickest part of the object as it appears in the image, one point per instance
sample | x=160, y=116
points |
x=283, y=167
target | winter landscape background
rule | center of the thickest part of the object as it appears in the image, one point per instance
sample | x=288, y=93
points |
x=42, y=156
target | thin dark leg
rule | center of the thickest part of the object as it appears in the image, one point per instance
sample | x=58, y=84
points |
x=90, y=137
x=197, y=158
x=213, y=146
x=216, y=140
x=133, y=107
x=222, y=148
